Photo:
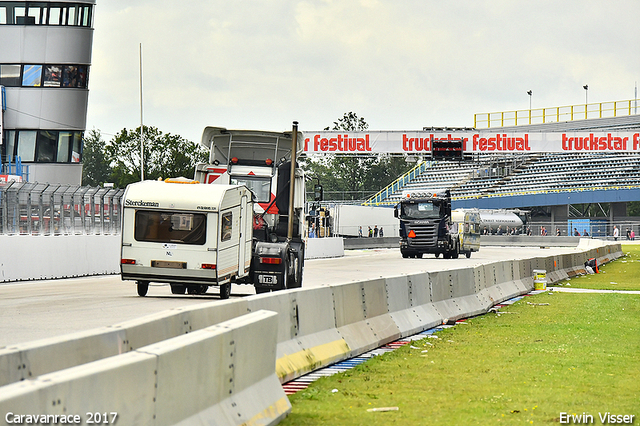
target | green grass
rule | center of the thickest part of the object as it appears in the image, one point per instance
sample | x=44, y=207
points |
x=580, y=353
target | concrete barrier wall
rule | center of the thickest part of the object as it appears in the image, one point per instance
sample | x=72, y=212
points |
x=318, y=248
x=223, y=372
x=315, y=327
x=27, y=257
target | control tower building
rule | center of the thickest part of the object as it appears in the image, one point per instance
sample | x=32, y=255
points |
x=45, y=59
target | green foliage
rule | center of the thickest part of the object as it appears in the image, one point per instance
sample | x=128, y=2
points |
x=165, y=156
x=633, y=208
x=351, y=176
x=95, y=166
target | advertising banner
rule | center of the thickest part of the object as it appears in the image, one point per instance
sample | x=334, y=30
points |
x=420, y=142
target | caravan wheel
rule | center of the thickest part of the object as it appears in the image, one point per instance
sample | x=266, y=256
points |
x=143, y=288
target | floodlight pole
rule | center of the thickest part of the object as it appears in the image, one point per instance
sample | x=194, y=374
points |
x=141, y=125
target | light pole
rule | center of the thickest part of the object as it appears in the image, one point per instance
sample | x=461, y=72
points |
x=586, y=99
x=529, y=93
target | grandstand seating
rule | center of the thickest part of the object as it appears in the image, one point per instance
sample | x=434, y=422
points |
x=527, y=173
x=513, y=174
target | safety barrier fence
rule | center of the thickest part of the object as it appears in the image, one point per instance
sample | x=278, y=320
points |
x=32, y=208
x=555, y=114
x=313, y=328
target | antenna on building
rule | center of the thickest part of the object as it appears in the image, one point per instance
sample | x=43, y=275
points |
x=141, y=121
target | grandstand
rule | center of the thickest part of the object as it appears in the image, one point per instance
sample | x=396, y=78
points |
x=547, y=184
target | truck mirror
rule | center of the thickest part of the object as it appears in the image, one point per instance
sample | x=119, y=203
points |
x=395, y=211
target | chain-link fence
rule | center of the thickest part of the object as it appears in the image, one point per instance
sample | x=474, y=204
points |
x=58, y=209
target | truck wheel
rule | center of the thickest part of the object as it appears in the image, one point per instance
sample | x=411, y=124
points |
x=446, y=255
x=225, y=291
x=468, y=254
x=418, y=255
x=405, y=255
x=178, y=288
x=143, y=287
x=455, y=253
x=437, y=255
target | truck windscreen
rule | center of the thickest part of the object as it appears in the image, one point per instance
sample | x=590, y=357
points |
x=261, y=187
x=417, y=211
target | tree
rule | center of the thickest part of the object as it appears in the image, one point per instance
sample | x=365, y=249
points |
x=95, y=166
x=165, y=155
x=351, y=176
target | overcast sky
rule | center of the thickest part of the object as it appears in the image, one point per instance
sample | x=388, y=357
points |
x=400, y=64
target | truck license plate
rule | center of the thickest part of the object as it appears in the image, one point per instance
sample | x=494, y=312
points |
x=267, y=279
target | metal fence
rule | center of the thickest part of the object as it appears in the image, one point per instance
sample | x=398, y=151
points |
x=32, y=208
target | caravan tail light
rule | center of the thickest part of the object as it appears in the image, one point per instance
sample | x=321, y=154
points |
x=271, y=260
x=128, y=261
x=412, y=234
x=208, y=266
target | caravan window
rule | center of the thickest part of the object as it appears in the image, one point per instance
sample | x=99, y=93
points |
x=170, y=227
x=227, y=221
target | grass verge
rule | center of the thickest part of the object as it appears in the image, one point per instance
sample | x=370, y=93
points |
x=545, y=355
x=623, y=274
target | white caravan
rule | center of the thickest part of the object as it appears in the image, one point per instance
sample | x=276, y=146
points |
x=189, y=235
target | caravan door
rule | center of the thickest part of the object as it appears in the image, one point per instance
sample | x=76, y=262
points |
x=244, y=218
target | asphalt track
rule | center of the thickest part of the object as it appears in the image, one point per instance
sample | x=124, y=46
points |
x=35, y=310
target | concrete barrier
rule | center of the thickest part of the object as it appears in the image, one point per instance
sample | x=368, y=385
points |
x=37, y=257
x=313, y=328
x=212, y=373
x=318, y=248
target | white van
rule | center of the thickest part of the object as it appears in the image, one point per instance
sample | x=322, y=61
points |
x=191, y=236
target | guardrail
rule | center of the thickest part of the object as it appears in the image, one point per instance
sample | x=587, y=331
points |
x=488, y=120
x=58, y=209
x=315, y=327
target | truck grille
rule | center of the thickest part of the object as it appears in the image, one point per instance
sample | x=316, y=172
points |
x=426, y=235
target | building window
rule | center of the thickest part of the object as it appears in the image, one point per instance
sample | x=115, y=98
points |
x=64, y=146
x=76, y=151
x=9, y=145
x=52, y=75
x=55, y=15
x=42, y=146
x=32, y=75
x=67, y=76
x=10, y=75
x=46, y=146
x=27, y=145
x=41, y=13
